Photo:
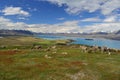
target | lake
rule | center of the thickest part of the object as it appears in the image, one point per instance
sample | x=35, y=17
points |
x=78, y=40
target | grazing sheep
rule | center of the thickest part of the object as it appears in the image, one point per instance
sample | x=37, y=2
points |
x=107, y=50
x=104, y=49
x=112, y=50
x=84, y=48
x=95, y=48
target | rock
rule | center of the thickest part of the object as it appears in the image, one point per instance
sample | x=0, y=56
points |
x=2, y=46
x=109, y=53
x=36, y=47
x=53, y=47
x=54, y=52
x=48, y=49
x=64, y=53
x=16, y=50
x=47, y=57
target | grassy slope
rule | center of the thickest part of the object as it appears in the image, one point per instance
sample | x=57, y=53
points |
x=27, y=64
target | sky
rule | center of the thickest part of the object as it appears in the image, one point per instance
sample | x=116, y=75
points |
x=60, y=16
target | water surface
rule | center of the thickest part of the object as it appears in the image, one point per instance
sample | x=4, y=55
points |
x=78, y=40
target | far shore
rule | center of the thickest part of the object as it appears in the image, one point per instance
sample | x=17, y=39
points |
x=109, y=36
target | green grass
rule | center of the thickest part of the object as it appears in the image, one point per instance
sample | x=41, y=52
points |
x=27, y=64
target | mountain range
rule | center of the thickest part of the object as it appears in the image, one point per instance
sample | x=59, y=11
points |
x=118, y=32
x=15, y=33
x=113, y=35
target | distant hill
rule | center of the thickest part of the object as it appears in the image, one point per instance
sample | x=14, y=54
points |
x=100, y=33
x=15, y=33
x=118, y=32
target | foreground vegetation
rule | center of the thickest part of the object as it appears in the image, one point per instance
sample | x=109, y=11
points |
x=28, y=58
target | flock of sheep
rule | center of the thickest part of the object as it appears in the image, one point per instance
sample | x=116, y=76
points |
x=83, y=48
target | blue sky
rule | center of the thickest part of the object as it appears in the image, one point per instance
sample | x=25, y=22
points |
x=60, y=16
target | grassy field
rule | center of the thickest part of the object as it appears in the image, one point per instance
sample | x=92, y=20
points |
x=54, y=61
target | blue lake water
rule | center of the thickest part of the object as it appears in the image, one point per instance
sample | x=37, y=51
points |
x=97, y=41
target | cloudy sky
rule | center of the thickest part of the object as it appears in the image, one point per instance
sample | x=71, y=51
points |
x=60, y=16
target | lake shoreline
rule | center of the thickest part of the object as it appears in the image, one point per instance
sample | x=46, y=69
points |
x=82, y=40
x=104, y=36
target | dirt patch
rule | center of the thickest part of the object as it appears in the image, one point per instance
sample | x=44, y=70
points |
x=10, y=52
x=77, y=63
x=40, y=67
x=74, y=63
x=25, y=68
x=7, y=60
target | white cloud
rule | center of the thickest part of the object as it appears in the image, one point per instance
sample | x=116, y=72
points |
x=102, y=27
x=22, y=18
x=110, y=6
x=106, y=7
x=108, y=19
x=15, y=11
x=8, y=24
x=65, y=27
x=111, y=19
x=32, y=9
x=95, y=19
x=2, y=19
x=61, y=18
x=73, y=26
